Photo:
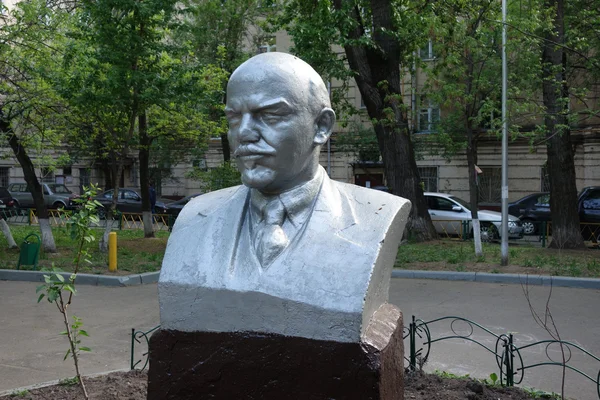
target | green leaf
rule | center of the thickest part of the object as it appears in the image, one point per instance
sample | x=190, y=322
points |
x=494, y=377
x=83, y=333
x=64, y=333
x=67, y=354
x=41, y=297
x=85, y=349
x=60, y=277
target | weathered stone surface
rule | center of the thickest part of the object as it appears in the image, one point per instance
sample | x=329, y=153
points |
x=249, y=365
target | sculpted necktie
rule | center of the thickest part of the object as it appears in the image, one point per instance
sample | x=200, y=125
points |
x=271, y=239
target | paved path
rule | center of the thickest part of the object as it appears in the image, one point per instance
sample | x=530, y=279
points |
x=31, y=351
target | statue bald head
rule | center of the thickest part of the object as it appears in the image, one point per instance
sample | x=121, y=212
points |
x=279, y=115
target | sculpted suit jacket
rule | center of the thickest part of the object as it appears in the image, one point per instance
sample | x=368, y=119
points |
x=326, y=284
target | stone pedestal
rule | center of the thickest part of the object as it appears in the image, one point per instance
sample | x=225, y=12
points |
x=250, y=365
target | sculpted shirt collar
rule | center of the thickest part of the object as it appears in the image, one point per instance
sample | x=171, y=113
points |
x=297, y=201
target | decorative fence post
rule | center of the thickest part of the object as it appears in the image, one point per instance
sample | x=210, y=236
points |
x=509, y=361
x=413, y=354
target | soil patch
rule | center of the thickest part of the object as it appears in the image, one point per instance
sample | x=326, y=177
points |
x=133, y=385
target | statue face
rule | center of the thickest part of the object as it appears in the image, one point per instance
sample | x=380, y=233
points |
x=271, y=130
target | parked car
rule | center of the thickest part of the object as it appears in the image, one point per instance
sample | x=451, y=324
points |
x=535, y=208
x=531, y=210
x=446, y=210
x=7, y=203
x=129, y=201
x=175, y=207
x=56, y=195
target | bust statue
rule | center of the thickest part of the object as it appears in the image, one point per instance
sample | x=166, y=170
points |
x=290, y=251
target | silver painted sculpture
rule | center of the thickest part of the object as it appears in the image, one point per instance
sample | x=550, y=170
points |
x=291, y=251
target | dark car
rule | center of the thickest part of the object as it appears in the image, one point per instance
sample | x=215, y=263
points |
x=129, y=202
x=175, y=207
x=531, y=210
x=535, y=208
x=7, y=203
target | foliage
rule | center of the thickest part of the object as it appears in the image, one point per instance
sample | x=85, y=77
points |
x=59, y=291
x=359, y=140
x=223, y=176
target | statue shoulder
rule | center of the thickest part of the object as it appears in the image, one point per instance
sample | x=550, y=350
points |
x=372, y=200
x=208, y=203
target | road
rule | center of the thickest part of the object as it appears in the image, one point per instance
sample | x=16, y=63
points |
x=31, y=351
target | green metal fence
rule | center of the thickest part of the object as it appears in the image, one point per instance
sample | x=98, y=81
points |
x=512, y=362
x=509, y=357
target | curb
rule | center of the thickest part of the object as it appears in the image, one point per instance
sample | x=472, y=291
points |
x=152, y=277
x=543, y=280
x=82, y=279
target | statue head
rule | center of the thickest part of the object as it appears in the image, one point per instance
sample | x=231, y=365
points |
x=279, y=116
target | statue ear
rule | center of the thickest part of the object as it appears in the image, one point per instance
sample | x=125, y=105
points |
x=324, y=126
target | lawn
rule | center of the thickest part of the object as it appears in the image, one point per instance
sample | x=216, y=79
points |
x=134, y=255
x=138, y=255
x=456, y=255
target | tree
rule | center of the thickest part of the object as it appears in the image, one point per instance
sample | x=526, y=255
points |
x=561, y=166
x=223, y=34
x=465, y=81
x=29, y=106
x=377, y=37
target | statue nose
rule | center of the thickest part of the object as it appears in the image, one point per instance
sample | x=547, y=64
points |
x=248, y=132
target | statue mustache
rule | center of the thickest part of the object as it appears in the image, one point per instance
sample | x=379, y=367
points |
x=253, y=150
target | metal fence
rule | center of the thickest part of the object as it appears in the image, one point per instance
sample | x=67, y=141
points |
x=534, y=231
x=419, y=338
x=121, y=221
x=509, y=357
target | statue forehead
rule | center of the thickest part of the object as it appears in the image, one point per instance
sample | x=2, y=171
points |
x=273, y=74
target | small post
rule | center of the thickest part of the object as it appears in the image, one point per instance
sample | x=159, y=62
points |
x=132, y=346
x=413, y=355
x=112, y=251
x=543, y=233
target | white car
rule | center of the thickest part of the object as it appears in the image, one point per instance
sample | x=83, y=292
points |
x=448, y=211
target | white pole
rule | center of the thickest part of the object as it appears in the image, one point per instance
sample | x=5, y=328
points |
x=504, y=233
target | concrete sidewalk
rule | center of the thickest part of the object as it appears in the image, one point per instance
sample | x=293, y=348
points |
x=31, y=349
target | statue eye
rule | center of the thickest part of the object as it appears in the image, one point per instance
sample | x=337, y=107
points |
x=233, y=118
x=271, y=118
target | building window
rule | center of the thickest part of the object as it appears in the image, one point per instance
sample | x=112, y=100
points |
x=267, y=46
x=490, y=182
x=427, y=52
x=429, y=117
x=200, y=163
x=84, y=179
x=429, y=178
x=4, y=177
x=47, y=175
x=545, y=179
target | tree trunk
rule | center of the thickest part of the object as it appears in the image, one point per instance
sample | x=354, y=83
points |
x=7, y=234
x=566, y=232
x=117, y=170
x=378, y=80
x=144, y=156
x=472, y=151
x=36, y=191
x=473, y=189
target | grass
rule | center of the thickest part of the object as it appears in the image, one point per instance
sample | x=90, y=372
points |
x=455, y=255
x=134, y=254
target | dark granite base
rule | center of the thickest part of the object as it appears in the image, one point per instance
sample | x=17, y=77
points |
x=250, y=365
